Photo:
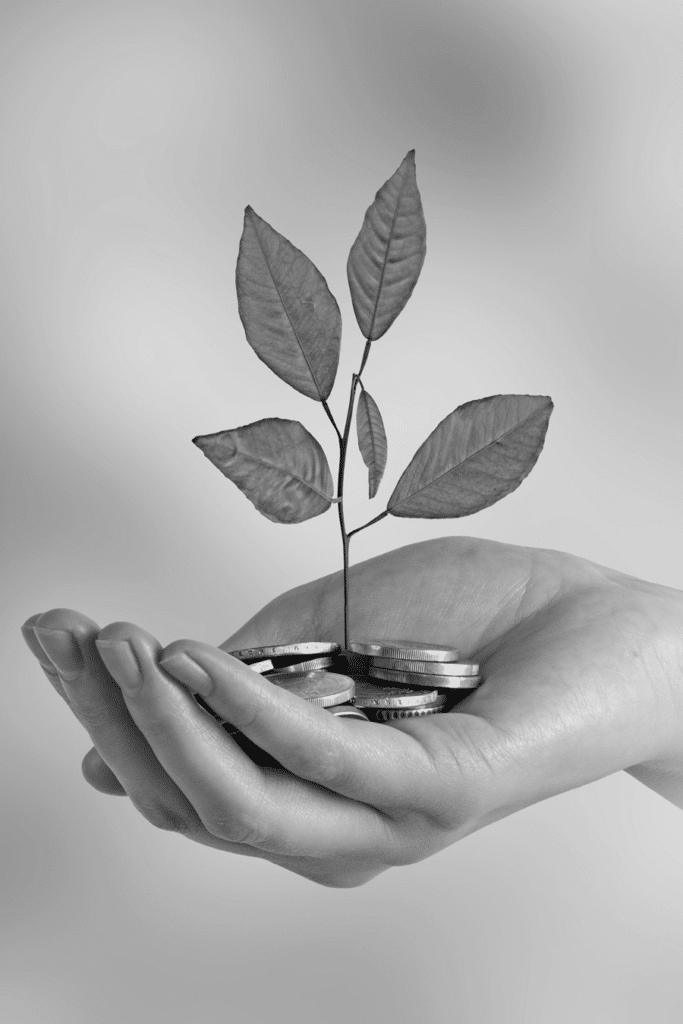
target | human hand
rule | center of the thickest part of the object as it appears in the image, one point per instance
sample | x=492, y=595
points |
x=582, y=670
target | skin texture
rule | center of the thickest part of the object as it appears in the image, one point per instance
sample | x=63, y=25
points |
x=583, y=676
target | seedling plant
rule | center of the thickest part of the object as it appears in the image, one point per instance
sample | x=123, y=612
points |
x=474, y=457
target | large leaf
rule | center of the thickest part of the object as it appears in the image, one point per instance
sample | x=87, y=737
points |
x=291, y=319
x=386, y=259
x=475, y=456
x=278, y=465
x=372, y=440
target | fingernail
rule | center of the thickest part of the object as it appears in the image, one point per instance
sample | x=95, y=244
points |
x=185, y=669
x=62, y=650
x=29, y=634
x=120, y=659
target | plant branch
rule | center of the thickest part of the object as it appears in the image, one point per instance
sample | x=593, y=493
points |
x=332, y=419
x=365, y=525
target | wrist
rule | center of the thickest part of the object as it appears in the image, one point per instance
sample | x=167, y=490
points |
x=663, y=772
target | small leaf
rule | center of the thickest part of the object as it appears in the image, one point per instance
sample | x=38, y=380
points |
x=372, y=440
x=291, y=319
x=386, y=259
x=478, y=454
x=278, y=465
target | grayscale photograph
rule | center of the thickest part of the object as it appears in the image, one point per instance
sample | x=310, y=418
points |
x=342, y=521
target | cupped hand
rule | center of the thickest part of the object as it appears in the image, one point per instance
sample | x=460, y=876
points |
x=582, y=667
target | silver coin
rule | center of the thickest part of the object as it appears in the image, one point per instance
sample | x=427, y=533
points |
x=300, y=667
x=261, y=666
x=371, y=695
x=407, y=649
x=322, y=688
x=417, y=679
x=435, y=668
x=307, y=647
x=387, y=714
x=348, y=711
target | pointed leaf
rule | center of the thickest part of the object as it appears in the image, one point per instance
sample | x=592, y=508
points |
x=372, y=440
x=278, y=465
x=478, y=454
x=386, y=259
x=291, y=319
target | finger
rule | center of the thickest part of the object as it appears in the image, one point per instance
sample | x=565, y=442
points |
x=268, y=809
x=360, y=760
x=96, y=772
x=99, y=775
x=67, y=638
x=37, y=651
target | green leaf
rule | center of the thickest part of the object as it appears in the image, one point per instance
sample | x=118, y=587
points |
x=478, y=454
x=291, y=319
x=372, y=440
x=386, y=259
x=278, y=465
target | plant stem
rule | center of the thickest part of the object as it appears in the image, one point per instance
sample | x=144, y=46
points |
x=343, y=447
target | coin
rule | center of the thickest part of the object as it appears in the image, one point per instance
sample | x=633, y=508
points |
x=321, y=688
x=308, y=647
x=300, y=667
x=371, y=695
x=417, y=679
x=387, y=714
x=407, y=649
x=261, y=666
x=348, y=711
x=435, y=668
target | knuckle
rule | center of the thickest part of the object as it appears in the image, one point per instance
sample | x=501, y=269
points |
x=234, y=827
x=161, y=816
x=323, y=763
x=93, y=717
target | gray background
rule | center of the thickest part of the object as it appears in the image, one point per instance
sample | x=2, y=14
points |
x=549, y=156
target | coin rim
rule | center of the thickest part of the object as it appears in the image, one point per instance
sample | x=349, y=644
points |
x=413, y=679
x=387, y=714
x=434, y=668
x=300, y=668
x=414, y=699
x=353, y=712
x=427, y=653
x=285, y=650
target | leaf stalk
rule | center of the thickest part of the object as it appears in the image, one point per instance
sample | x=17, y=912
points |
x=365, y=525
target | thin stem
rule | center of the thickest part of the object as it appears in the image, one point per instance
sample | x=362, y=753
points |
x=343, y=447
x=331, y=419
x=365, y=525
x=345, y=555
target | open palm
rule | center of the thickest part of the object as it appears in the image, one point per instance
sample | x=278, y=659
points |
x=580, y=680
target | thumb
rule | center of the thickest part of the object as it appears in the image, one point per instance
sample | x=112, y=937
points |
x=299, y=614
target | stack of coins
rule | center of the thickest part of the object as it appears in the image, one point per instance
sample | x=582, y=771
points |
x=409, y=678
x=375, y=680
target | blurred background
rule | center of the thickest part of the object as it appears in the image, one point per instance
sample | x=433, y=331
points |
x=548, y=140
